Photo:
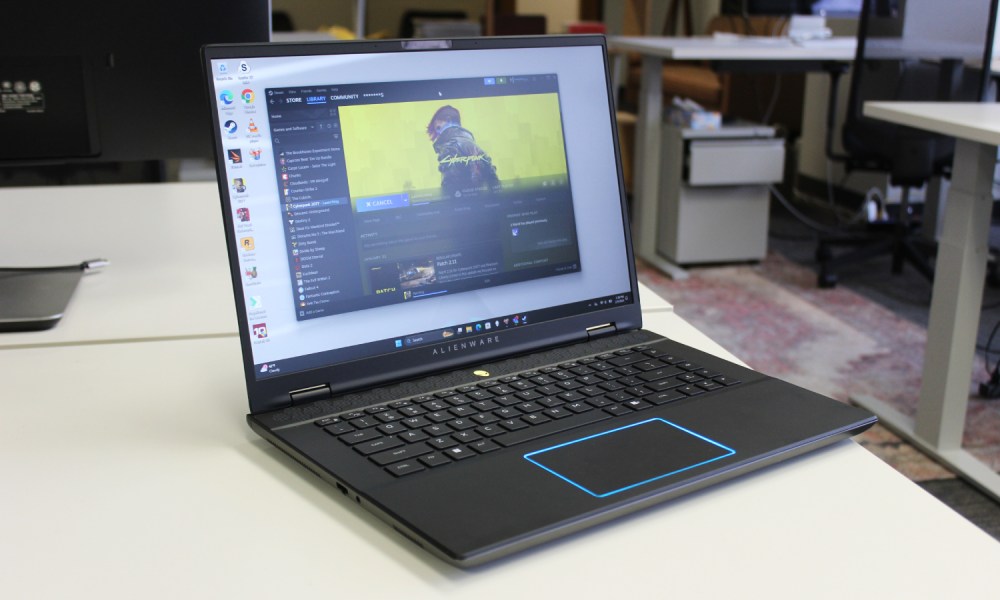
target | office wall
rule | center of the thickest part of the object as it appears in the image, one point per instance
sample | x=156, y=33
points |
x=557, y=12
x=953, y=20
x=382, y=15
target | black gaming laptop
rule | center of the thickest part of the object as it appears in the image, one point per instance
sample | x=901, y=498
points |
x=437, y=297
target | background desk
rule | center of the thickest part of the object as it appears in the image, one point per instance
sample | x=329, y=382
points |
x=128, y=471
x=770, y=54
x=656, y=50
x=959, y=274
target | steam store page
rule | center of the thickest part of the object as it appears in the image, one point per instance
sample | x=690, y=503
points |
x=401, y=191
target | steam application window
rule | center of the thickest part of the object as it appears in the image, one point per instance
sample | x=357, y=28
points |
x=402, y=191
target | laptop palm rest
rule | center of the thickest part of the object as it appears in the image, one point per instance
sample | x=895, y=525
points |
x=620, y=459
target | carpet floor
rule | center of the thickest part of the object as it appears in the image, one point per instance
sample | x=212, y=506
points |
x=833, y=341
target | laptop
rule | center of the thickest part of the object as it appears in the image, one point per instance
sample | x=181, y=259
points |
x=437, y=296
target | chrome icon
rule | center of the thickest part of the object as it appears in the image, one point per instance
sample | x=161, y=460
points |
x=248, y=96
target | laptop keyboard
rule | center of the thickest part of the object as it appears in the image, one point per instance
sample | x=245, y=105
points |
x=426, y=432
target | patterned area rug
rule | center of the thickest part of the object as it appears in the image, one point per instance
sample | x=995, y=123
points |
x=834, y=341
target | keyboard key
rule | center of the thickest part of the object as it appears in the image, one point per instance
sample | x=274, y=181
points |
x=364, y=422
x=438, y=429
x=388, y=416
x=709, y=386
x=464, y=437
x=441, y=443
x=417, y=422
x=490, y=430
x=620, y=396
x=658, y=374
x=411, y=437
x=485, y=405
x=513, y=424
x=384, y=443
x=508, y=412
x=404, y=468
x=398, y=454
x=356, y=437
x=391, y=428
x=557, y=413
x=339, y=428
x=532, y=433
x=484, y=446
x=638, y=404
x=459, y=453
x=411, y=411
x=435, y=459
x=535, y=419
x=463, y=411
x=617, y=410
x=663, y=397
x=690, y=390
x=462, y=424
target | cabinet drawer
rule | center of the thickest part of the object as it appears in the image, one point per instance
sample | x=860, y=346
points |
x=735, y=162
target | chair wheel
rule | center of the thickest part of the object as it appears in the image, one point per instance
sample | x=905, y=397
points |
x=826, y=281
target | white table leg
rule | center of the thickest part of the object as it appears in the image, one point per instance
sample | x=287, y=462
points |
x=951, y=334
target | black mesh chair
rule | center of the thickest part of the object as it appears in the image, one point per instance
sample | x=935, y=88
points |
x=911, y=157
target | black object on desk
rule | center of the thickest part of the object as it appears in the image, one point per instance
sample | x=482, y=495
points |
x=34, y=299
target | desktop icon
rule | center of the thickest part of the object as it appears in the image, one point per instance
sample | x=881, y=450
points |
x=243, y=214
x=256, y=153
x=244, y=67
x=226, y=97
x=230, y=127
x=248, y=96
x=235, y=155
x=260, y=330
x=250, y=272
x=246, y=243
x=252, y=127
x=239, y=185
x=256, y=303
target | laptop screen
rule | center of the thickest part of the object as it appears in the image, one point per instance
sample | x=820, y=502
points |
x=382, y=201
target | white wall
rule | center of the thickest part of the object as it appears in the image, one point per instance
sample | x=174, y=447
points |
x=558, y=13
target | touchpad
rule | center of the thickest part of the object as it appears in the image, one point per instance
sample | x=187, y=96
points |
x=620, y=459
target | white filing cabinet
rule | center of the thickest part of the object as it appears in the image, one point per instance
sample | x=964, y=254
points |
x=715, y=200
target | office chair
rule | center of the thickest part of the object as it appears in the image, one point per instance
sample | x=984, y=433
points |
x=911, y=157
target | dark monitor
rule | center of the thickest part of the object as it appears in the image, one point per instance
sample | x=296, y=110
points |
x=112, y=81
x=767, y=7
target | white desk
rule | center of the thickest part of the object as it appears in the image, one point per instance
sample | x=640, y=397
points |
x=958, y=282
x=163, y=241
x=802, y=56
x=129, y=472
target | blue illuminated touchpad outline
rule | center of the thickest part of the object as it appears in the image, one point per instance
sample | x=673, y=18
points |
x=627, y=457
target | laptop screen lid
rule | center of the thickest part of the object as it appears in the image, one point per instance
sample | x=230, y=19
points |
x=394, y=208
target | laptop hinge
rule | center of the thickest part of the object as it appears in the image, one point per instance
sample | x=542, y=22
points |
x=601, y=330
x=309, y=394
